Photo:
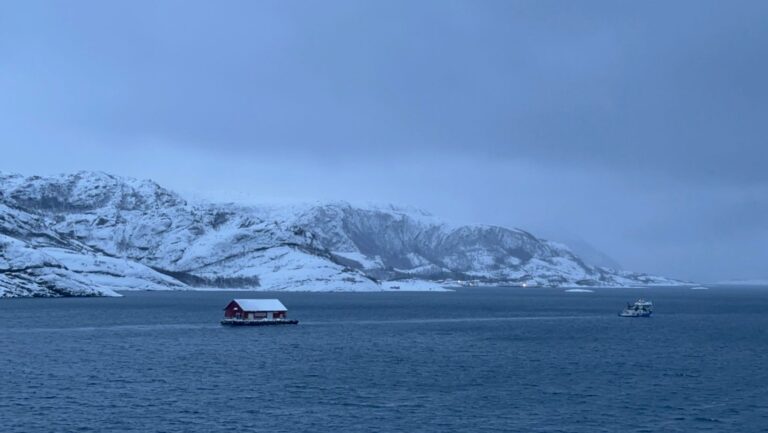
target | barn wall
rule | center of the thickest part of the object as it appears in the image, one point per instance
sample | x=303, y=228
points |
x=230, y=311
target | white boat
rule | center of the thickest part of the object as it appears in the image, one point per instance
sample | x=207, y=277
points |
x=641, y=308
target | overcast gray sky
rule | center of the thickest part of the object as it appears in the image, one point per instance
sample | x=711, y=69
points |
x=638, y=126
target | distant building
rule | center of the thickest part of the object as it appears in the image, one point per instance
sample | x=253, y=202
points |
x=255, y=309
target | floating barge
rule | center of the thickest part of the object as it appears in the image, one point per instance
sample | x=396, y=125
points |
x=256, y=312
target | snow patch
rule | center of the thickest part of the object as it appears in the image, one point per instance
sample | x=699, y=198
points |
x=413, y=286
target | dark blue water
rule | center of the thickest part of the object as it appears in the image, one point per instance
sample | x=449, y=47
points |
x=475, y=360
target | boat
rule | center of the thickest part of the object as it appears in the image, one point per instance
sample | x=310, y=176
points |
x=641, y=308
x=256, y=312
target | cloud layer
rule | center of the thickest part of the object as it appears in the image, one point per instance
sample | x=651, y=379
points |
x=638, y=126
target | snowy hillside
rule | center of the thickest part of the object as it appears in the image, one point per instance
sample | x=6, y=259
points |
x=92, y=233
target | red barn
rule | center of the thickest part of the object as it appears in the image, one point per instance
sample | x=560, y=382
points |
x=255, y=309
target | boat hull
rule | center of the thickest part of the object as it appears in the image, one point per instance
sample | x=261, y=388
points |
x=226, y=322
x=623, y=314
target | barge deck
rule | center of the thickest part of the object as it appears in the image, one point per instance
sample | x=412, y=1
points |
x=236, y=322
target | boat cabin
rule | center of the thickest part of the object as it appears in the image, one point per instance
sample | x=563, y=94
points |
x=255, y=309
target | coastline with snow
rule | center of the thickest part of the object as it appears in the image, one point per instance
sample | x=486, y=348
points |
x=92, y=233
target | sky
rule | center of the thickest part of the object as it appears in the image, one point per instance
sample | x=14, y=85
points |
x=638, y=128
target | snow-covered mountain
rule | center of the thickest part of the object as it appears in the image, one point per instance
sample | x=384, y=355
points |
x=92, y=233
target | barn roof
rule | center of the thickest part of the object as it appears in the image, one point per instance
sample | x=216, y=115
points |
x=260, y=304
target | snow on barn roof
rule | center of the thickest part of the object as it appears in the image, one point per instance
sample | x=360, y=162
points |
x=260, y=304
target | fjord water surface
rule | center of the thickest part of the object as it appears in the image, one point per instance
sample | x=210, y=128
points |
x=472, y=360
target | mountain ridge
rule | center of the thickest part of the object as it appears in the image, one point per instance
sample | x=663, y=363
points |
x=99, y=233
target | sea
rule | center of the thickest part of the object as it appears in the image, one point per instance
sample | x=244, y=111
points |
x=470, y=360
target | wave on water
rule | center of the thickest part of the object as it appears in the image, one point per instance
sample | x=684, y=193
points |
x=451, y=320
x=178, y=326
x=157, y=327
